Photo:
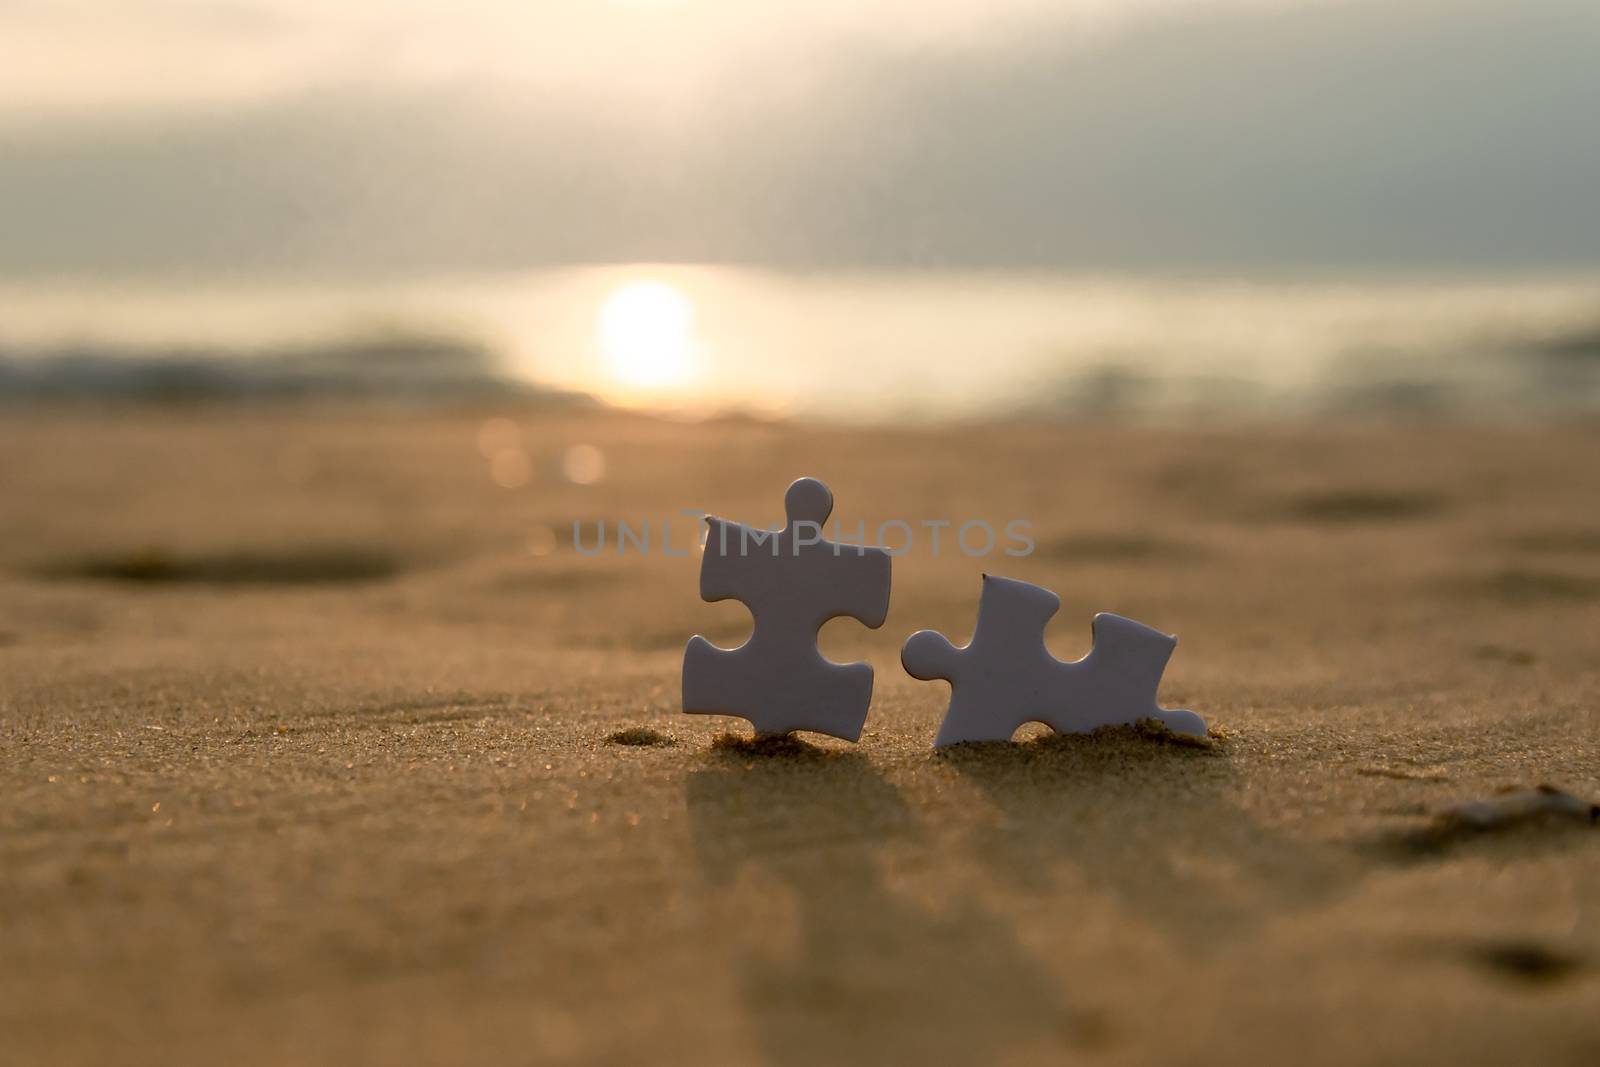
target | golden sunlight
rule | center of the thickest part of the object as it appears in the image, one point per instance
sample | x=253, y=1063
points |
x=646, y=331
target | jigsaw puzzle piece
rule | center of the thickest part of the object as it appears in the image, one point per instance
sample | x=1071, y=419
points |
x=1116, y=682
x=793, y=581
x=795, y=570
x=1003, y=677
x=1007, y=677
x=806, y=693
x=929, y=655
x=859, y=582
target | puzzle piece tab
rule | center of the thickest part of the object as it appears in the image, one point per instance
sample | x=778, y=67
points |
x=793, y=580
x=1007, y=677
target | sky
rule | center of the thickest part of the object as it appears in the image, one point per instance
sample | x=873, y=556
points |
x=404, y=136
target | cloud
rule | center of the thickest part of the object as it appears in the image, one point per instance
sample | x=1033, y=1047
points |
x=61, y=59
x=1443, y=132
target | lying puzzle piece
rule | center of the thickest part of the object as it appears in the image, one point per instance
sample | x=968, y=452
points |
x=793, y=581
x=1007, y=677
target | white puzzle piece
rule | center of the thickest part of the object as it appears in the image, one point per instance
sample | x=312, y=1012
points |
x=1007, y=677
x=793, y=581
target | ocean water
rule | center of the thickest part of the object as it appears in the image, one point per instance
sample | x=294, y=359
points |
x=853, y=346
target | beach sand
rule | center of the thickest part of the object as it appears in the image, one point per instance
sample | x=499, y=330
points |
x=303, y=721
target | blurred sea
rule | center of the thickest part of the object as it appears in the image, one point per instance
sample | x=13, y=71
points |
x=853, y=346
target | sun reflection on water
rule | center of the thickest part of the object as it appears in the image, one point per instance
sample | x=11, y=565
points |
x=693, y=340
x=646, y=332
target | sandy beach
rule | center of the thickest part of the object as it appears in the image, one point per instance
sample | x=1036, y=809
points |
x=303, y=741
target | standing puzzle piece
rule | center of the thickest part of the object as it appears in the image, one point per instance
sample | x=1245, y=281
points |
x=793, y=581
x=1007, y=677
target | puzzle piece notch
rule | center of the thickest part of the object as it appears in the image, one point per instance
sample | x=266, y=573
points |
x=1006, y=676
x=793, y=581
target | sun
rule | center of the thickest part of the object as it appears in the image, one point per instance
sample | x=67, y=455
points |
x=646, y=331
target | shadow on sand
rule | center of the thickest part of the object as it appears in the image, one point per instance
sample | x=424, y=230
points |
x=1149, y=819
x=1140, y=821
x=873, y=976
